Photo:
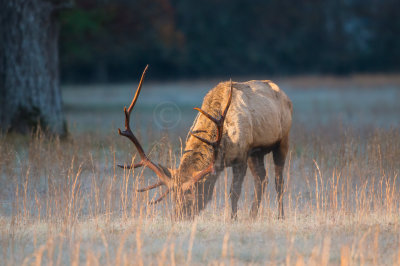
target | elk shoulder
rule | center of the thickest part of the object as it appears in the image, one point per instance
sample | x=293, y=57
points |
x=260, y=116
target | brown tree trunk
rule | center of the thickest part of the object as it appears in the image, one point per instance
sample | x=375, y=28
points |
x=29, y=77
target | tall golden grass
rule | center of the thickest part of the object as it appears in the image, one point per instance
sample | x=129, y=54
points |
x=65, y=202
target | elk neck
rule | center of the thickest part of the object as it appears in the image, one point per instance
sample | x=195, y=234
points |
x=198, y=155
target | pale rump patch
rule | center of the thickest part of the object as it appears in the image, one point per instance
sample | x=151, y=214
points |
x=272, y=85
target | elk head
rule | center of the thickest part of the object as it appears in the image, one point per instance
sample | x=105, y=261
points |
x=183, y=188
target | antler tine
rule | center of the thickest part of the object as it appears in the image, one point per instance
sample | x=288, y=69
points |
x=138, y=90
x=124, y=166
x=150, y=187
x=228, y=103
x=207, y=115
x=202, y=139
x=160, y=198
x=220, y=125
x=223, y=115
x=145, y=161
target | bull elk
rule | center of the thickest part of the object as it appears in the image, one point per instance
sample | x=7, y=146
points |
x=237, y=125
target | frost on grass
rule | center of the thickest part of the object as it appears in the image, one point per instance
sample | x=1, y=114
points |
x=64, y=202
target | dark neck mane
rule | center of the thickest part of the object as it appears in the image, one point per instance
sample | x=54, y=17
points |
x=195, y=159
x=198, y=155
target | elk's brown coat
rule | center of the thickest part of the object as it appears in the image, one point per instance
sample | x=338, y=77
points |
x=238, y=124
x=258, y=122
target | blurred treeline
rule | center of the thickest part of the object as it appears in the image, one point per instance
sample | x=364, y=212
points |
x=110, y=41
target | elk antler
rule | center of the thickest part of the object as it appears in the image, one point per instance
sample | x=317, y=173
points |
x=215, y=144
x=145, y=161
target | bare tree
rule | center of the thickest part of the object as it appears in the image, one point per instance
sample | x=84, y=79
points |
x=29, y=76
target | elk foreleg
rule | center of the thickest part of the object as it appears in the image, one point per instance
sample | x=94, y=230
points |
x=239, y=171
x=257, y=168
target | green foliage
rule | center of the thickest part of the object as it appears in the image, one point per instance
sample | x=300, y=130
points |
x=81, y=31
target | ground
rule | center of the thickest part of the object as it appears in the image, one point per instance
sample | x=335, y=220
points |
x=65, y=202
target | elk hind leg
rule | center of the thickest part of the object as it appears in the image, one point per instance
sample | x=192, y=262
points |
x=257, y=168
x=239, y=171
x=279, y=155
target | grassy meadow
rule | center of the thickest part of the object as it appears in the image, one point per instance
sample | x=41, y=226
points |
x=64, y=201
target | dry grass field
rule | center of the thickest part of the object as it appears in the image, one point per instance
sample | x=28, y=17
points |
x=65, y=202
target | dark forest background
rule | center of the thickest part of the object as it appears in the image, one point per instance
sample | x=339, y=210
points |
x=111, y=41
